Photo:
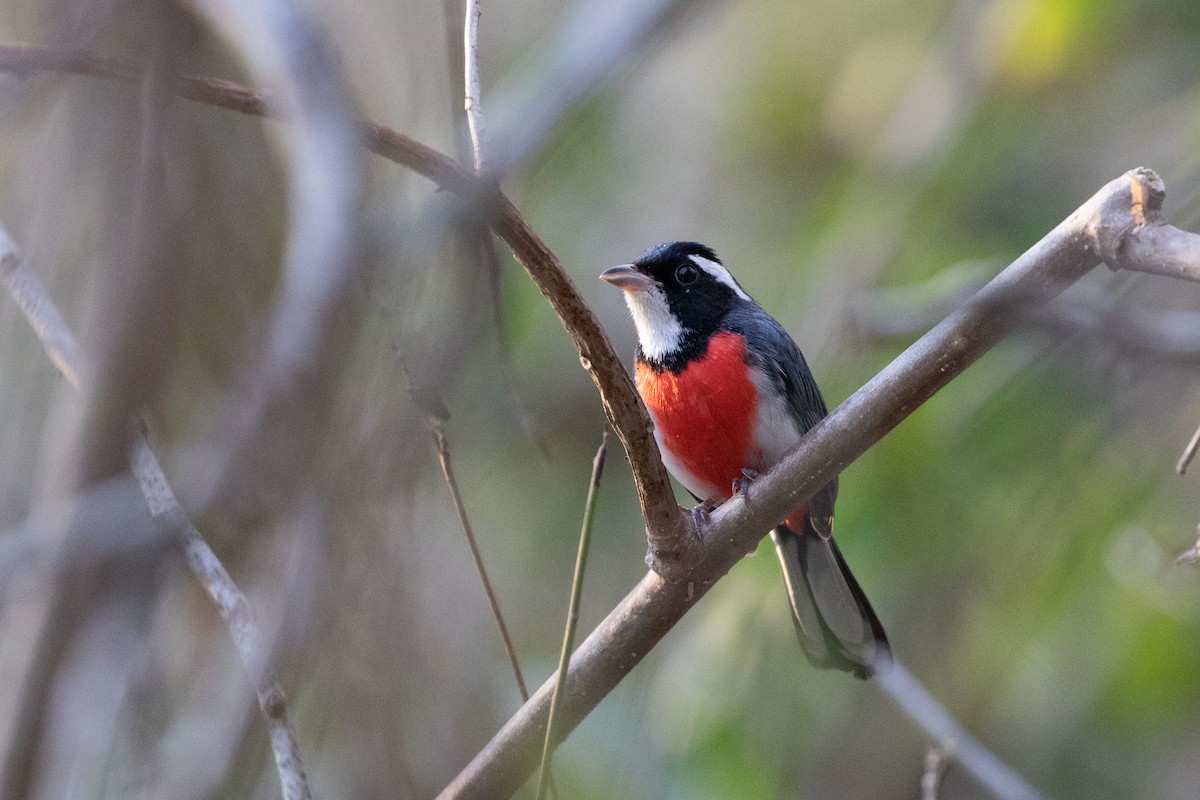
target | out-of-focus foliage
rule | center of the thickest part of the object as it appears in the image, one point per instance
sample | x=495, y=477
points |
x=1015, y=534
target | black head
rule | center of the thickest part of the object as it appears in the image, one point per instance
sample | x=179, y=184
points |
x=698, y=287
x=678, y=294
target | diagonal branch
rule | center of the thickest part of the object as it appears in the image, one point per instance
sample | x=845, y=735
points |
x=1121, y=224
x=1189, y=452
x=1123, y=218
x=438, y=431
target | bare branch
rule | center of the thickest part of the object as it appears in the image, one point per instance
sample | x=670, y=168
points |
x=1135, y=331
x=438, y=431
x=952, y=740
x=288, y=53
x=233, y=608
x=585, y=538
x=936, y=761
x=599, y=36
x=1193, y=555
x=471, y=75
x=1149, y=244
x=31, y=297
x=57, y=339
x=673, y=544
x=1189, y=452
x=652, y=608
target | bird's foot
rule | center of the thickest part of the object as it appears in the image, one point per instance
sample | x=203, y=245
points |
x=742, y=484
x=701, y=512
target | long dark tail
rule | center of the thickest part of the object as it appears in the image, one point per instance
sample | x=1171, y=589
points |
x=835, y=622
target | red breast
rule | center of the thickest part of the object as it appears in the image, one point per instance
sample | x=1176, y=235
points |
x=705, y=415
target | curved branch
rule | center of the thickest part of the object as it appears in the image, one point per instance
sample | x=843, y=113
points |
x=672, y=542
x=1108, y=222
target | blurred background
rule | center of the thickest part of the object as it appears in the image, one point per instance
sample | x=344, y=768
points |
x=859, y=166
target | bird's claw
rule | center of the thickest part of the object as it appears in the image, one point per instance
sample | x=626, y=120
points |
x=742, y=484
x=701, y=512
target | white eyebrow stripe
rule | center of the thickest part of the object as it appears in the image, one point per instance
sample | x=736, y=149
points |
x=720, y=273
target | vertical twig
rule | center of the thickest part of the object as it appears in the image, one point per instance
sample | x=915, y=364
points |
x=476, y=239
x=585, y=538
x=471, y=79
x=937, y=758
x=443, y=454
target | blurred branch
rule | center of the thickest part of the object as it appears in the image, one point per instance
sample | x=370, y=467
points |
x=952, y=741
x=60, y=344
x=1193, y=555
x=287, y=51
x=599, y=36
x=936, y=761
x=673, y=544
x=133, y=303
x=31, y=297
x=438, y=431
x=1137, y=331
x=1113, y=220
x=1189, y=452
x=585, y=540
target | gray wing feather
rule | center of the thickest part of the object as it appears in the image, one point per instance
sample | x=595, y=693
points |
x=837, y=627
x=777, y=355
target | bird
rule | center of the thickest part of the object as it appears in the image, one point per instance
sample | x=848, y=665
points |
x=729, y=393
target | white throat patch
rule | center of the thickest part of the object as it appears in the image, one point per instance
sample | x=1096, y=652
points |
x=720, y=273
x=659, y=332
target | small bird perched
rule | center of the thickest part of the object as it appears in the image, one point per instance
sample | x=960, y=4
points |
x=729, y=393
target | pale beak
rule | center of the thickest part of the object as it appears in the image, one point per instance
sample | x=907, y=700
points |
x=628, y=278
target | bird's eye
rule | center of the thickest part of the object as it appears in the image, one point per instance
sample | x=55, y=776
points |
x=687, y=274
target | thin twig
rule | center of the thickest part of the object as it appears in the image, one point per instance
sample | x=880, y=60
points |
x=936, y=761
x=438, y=432
x=60, y=344
x=472, y=92
x=564, y=657
x=30, y=295
x=952, y=739
x=136, y=300
x=1193, y=555
x=1189, y=453
x=477, y=240
x=234, y=610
